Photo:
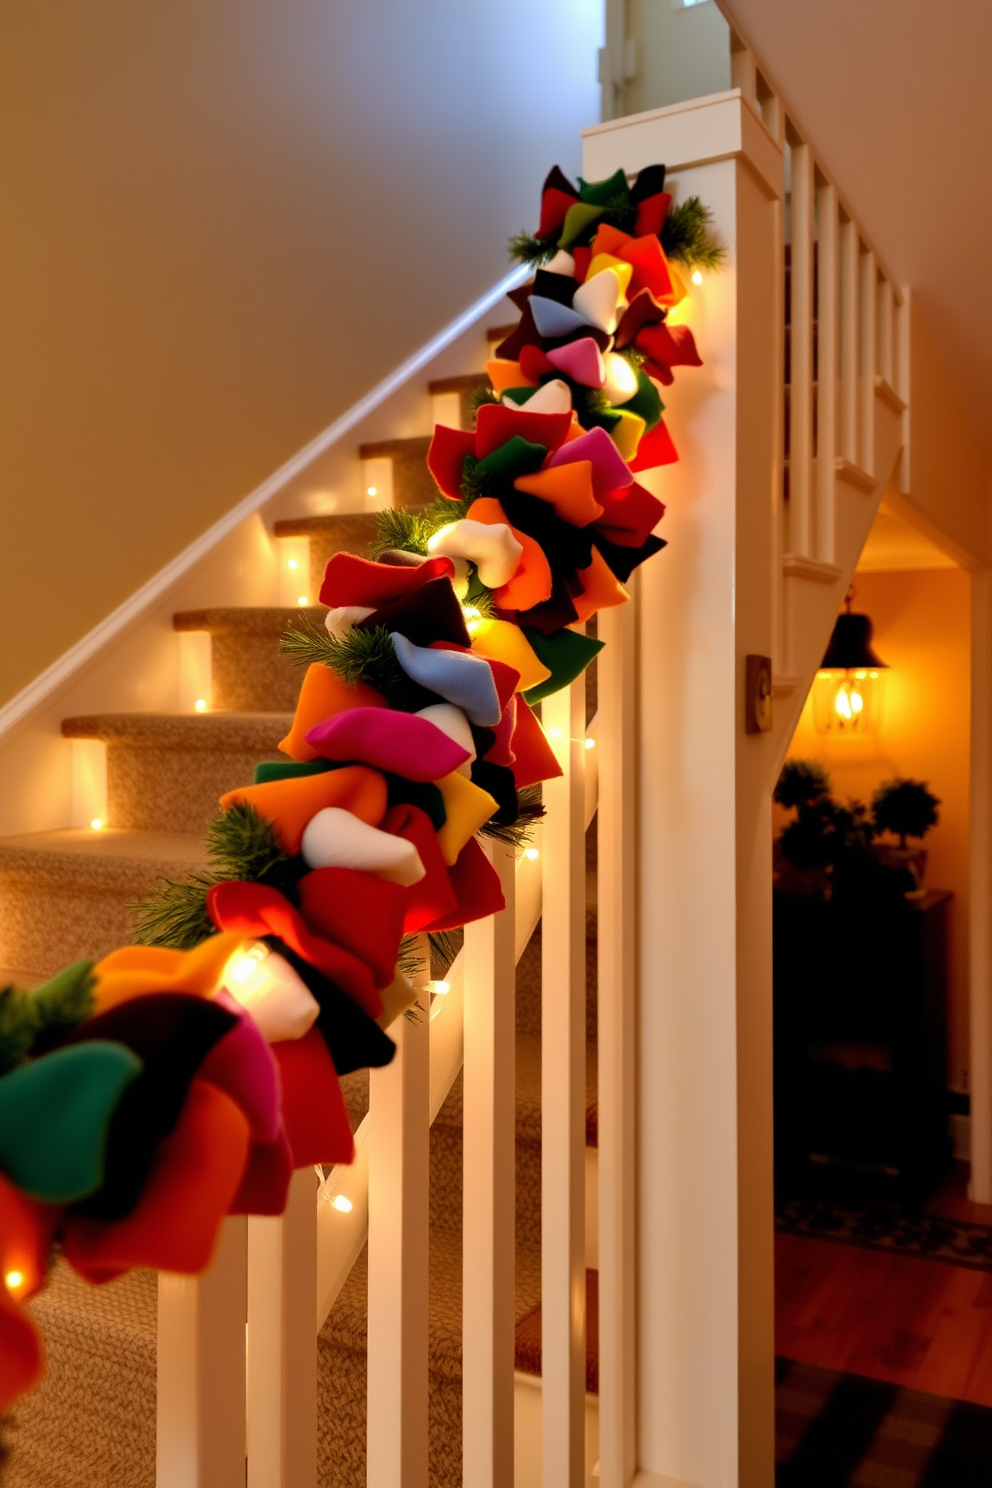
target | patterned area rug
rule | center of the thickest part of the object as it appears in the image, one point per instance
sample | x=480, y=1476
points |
x=886, y=1229
x=843, y=1431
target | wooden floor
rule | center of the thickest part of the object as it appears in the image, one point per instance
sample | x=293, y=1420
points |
x=918, y=1323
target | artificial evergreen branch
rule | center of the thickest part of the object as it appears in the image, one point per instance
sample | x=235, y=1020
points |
x=398, y=527
x=241, y=844
x=176, y=915
x=444, y=947
x=362, y=655
x=477, y=398
x=525, y=248
x=516, y=834
x=686, y=238
x=33, y=1022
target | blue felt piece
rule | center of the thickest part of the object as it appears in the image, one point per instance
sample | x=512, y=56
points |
x=457, y=676
x=553, y=320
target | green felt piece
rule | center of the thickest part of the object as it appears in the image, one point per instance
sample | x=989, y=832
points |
x=566, y=654
x=418, y=793
x=577, y=219
x=518, y=456
x=646, y=402
x=519, y=395
x=289, y=770
x=600, y=193
x=54, y=1115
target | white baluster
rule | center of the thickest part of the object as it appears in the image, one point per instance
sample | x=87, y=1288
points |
x=617, y=951
x=849, y=342
x=282, y=1343
x=399, y=1154
x=801, y=341
x=563, y=1031
x=488, y=1225
x=884, y=356
x=866, y=368
x=828, y=273
x=200, y=1399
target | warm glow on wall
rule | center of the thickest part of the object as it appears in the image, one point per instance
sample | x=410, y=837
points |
x=847, y=692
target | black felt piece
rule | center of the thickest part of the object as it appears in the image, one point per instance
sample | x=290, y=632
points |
x=558, y=287
x=622, y=561
x=482, y=738
x=585, y=333
x=565, y=547
x=556, y=180
x=649, y=182
x=499, y=782
x=354, y=1040
x=172, y=1033
x=431, y=612
x=521, y=294
x=525, y=333
x=400, y=558
x=555, y=613
x=401, y=792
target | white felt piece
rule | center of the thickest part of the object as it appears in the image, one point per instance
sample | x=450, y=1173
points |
x=452, y=721
x=562, y=263
x=334, y=838
x=597, y=300
x=492, y=547
x=344, y=618
x=551, y=397
x=459, y=580
x=279, y=1001
x=621, y=379
x=554, y=320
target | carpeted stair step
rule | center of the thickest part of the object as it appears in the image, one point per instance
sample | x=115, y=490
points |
x=166, y=771
x=466, y=386
x=328, y=535
x=413, y=484
x=496, y=334
x=250, y=674
x=527, y=1340
x=65, y=895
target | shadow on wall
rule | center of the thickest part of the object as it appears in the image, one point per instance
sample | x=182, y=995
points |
x=922, y=629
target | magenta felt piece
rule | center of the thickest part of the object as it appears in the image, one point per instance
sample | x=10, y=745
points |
x=399, y=743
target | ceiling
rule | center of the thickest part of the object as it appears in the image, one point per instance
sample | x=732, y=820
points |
x=895, y=547
x=894, y=97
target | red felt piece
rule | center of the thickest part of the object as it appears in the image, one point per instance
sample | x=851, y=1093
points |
x=313, y=1111
x=534, y=759
x=501, y=752
x=446, y=456
x=399, y=743
x=643, y=310
x=22, y=1360
x=650, y=266
x=533, y=363
x=629, y=516
x=192, y=1184
x=656, y=448
x=358, y=912
x=476, y=886
x=668, y=346
x=255, y=909
x=350, y=580
x=431, y=895
x=651, y=214
x=582, y=258
x=265, y=1182
x=554, y=207
x=495, y=425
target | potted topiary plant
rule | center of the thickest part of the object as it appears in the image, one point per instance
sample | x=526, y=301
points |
x=906, y=808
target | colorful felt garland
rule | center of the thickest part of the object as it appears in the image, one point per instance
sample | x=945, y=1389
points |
x=147, y=1096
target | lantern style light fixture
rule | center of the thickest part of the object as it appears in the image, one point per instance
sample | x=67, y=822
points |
x=847, y=692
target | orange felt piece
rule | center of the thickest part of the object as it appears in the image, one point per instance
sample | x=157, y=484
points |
x=601, y=589
x=609, y=240
x=314, y=1116
x=533, y=758
x=322, y=695
x=192, y=1184
x=26, y=1230
x=289, y=804
x=22, y=1359
x=575, y=431
x=503, y=374
x=531, y=584
x=137, y=971
x=566, y=488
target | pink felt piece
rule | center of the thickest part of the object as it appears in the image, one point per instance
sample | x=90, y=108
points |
x=242, y=1066
x=609, y=472
x=582, y=361
x=350, y=580
x=400, y=743
x=265, y=1181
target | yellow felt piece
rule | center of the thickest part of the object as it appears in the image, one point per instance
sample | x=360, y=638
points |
x=608, y=240
x=626, y=435
x=137, y=971
x=601, y=589
x=500, y=640
x=603, y=261
x=468, y=808
x=503, y=374
x=567, y=488
x=679, y=290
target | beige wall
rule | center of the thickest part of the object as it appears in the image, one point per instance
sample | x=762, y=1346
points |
x=680, y=53
x=922, y=629
x=223, y=222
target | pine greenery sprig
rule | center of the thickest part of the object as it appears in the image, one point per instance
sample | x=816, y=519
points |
x=32, y=1022
x=477, y=398
x=526, y=248
x=686, y=238
x=363, y=655
x=398, y=527
x=176, y=915
x=242, y=844
x=519, y=833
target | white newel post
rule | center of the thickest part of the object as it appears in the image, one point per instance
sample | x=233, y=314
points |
x=704, y=1300
x=200, y=1398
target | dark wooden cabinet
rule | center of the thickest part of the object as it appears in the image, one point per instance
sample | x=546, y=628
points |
x=861, y=1045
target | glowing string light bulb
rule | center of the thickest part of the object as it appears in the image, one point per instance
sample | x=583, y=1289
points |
x=341, y=1204
x=697, y=277
x=14, y=1280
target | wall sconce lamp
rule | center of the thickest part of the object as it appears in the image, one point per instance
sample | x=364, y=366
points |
x=847, y=692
